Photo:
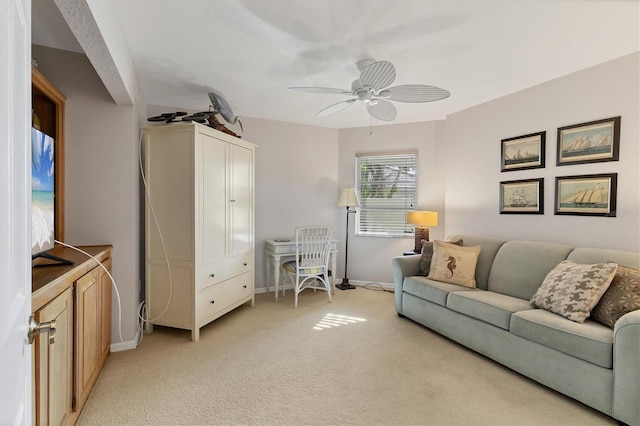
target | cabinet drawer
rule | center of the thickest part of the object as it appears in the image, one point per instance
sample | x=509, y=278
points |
x=219, y=296
x=224, y=270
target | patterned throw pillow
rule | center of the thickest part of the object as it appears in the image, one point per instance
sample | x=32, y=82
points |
x=623, y=296
x=454, y=264
x=572, y=290
x=427, y=255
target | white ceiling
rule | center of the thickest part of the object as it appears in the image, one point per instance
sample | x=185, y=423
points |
x=250, y=51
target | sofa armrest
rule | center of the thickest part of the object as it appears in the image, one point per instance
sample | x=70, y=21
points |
x=626, y=368
x=403, y=266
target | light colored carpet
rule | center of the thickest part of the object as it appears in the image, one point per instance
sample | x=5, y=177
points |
x=271, y=365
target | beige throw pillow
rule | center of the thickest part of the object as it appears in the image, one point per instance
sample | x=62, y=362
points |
x=454, y=264
x=572, y=289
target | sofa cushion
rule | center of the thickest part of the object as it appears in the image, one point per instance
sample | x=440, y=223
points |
x=454, y=264
x=427, y=255
x=490, y=247
x=622, y=296
x=520, y=266
x=433, y=291
x=589, y=341
x=487, y=306
x=573, y=289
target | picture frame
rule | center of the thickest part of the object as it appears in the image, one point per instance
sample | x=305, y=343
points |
x=523, y=152
x=524, y=196
x=587, y=195
x=590, y=142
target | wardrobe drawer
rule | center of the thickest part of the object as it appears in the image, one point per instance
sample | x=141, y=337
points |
x=224, y=270
x=218, y=297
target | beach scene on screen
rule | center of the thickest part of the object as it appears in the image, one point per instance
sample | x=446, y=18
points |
x=42, y=191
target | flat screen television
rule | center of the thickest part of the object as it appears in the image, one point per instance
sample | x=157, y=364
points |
x=43, y=198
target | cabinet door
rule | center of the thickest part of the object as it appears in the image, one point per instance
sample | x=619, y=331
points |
x=241, y=197
x=87, y=334
x=213, y=200
x=53, y=363
x=105, y=311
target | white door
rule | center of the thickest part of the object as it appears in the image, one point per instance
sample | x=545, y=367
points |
x=241, y=164
x=15, y=211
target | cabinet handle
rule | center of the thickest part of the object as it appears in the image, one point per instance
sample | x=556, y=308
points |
x=43, y=327
x=245, y=264
x=212, y=302
x=232, y=201
x=212, y=275
x=244, y=286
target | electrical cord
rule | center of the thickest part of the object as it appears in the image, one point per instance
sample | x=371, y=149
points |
x=375, y=287
x=113, y=283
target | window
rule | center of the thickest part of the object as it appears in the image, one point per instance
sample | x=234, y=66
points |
x=386, y=184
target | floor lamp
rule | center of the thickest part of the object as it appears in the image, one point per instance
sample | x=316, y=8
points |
x=348, y=199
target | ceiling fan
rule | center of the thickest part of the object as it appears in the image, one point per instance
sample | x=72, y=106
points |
x=372, y=89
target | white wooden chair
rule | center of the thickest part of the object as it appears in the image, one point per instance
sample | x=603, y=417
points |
x=310, y=269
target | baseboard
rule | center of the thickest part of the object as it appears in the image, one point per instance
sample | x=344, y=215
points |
x=128, y=345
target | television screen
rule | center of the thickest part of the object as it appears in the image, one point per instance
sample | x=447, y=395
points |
x=42, y=192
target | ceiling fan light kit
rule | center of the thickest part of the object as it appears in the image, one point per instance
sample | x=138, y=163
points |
x=372, y=89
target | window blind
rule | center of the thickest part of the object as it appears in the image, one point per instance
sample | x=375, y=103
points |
x=386, y=185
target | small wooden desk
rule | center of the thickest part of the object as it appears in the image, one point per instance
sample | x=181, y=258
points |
x=275, y=249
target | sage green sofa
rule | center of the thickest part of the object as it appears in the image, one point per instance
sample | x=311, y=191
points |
x=589, y=362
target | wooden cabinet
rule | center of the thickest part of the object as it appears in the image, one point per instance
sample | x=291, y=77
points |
x=199, y=225
x=78, y=298
x=53, y=363
x=92, y=328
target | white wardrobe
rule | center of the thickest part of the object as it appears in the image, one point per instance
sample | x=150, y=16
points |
x=199, y=225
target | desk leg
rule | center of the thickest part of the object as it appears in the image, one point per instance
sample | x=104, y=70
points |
x=333, y=272
x=267, y=267
x=276, y=273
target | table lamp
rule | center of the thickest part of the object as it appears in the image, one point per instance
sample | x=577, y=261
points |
x=422, y=220
x=348, y=199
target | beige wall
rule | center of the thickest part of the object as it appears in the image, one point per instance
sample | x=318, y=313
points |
x=101, y=174
x=370, y=257
x=296, y=180
x=473, y=158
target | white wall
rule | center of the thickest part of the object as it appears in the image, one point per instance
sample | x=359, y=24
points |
x=101, y=173
x=370, y=257
x=473, y=158
x=296, y=180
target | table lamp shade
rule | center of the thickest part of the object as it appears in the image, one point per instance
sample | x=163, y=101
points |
x=348, y=198
x=422, y=220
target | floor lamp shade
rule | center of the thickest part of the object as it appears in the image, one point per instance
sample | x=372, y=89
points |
x=348, y=199
x=422, y=221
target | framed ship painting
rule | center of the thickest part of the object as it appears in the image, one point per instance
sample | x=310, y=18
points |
x=522, y=196
x=587, y=195
x=590, y=142
x=523, y=152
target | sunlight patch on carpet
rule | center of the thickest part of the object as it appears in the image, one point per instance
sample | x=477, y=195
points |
x=336, y=320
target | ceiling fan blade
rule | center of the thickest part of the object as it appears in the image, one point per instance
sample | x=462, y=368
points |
x=329, y=90
x=378, y=75
x=415, y=93
x=335, y=108
x=382, y=110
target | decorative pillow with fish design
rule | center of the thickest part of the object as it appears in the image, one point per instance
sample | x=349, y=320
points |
x=454, y=264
